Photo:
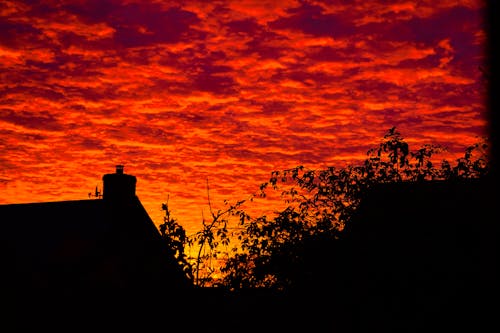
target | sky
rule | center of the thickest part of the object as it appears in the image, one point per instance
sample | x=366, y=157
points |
x=188, y=92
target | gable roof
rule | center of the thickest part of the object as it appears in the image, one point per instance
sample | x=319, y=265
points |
x=81, y=246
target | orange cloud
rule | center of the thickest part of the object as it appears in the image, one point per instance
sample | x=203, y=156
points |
x=182, y=92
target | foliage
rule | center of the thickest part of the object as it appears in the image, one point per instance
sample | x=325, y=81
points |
x=207, y=242
x=273, y=251
x=214, y=234
x=176, y=240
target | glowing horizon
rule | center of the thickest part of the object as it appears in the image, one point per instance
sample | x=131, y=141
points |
x=184, y=91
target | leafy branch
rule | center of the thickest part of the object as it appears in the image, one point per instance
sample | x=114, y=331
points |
x=272, y=251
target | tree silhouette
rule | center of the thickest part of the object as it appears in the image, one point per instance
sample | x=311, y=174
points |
x=275, y=252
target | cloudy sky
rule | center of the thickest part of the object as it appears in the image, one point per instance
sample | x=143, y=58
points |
x=184, y=91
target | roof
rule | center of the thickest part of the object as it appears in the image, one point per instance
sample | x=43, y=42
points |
x=86, y=262
x=83, y=245
x=410, y=212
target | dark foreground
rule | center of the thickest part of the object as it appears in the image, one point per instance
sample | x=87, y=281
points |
x=417, y=258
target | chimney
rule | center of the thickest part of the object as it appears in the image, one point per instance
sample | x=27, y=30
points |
x=118, y=186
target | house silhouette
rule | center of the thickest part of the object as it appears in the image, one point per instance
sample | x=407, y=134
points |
x=104, y=257
x=424, y=256
x=416, y=256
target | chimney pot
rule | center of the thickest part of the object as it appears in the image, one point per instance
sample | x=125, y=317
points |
x=119, y=169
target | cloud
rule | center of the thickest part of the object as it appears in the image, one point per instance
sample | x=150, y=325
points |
x=17, y=34
x=182, y=91
x=310, y=19
x=40, y=121
x=428, y=30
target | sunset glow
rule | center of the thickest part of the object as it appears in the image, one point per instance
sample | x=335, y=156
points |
x=184, y=91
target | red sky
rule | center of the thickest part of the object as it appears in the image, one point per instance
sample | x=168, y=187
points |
x=179, y=91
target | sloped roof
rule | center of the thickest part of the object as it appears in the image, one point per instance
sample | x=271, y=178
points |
x=79, y=265
x=77, y=246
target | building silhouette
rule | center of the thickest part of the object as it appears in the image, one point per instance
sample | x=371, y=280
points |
x=415, y=257
x=422, y=256
x=100, y=257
